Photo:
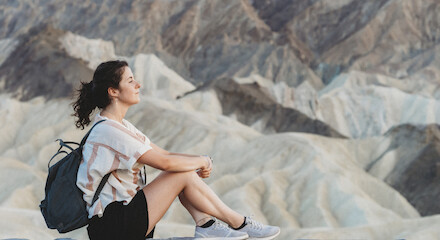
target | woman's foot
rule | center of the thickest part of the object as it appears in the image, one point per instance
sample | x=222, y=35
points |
x=257, y=230
x=213, y=229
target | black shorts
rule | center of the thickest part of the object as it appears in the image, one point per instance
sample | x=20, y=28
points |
x=122, y=221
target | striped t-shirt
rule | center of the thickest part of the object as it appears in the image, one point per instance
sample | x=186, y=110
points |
x=112, y=147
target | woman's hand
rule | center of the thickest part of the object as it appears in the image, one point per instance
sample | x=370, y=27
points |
x=206, y=171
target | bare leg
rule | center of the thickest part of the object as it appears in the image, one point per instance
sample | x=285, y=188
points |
x=199, y=217
x=162, y=191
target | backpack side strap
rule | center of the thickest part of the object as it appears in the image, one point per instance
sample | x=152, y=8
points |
x=99, y=189
x=64, y=144
x=48, y=164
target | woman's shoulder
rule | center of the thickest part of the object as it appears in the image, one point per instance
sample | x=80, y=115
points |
x=106, y=129
x=129, y=125
x=114, y=129
x=111, y=127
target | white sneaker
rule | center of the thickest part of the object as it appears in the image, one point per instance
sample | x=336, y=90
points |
x=219, y=231
x=256, y=230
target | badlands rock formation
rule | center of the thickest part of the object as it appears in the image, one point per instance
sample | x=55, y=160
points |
x=269, y=108
x=288, y=41
x=305, y=183
x=38, y=66
x=416, y=156
x=361, y=105
x=323, y=116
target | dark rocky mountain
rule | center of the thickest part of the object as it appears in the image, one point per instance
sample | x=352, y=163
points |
x=290, y=41
x=417, y=172
x=251, y=105
x=39, y=66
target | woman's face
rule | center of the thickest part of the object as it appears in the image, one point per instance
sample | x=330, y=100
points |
x=128, y=88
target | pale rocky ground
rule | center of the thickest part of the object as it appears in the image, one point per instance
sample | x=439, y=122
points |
x=311, y=186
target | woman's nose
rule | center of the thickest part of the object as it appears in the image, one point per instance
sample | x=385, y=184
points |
x=138, y=85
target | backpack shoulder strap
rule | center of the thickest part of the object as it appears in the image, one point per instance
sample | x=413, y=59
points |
x=105, y=178
x=83, y=141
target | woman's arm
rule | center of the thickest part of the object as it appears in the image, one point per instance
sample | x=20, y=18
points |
x=163, y=151
x=184, y=154
x=174, y=163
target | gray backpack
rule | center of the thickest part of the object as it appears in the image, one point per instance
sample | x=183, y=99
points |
x=63, y=207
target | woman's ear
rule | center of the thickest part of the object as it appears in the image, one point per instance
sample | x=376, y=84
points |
x=112, y=92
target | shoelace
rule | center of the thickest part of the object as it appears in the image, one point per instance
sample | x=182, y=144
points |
x=218, y=225
x=254, y=224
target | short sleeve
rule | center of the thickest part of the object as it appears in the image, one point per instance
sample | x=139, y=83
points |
x=124, y=143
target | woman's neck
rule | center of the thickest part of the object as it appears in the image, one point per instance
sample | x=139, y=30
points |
x=114, y=112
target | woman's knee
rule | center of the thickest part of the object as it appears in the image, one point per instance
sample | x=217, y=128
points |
x=190, y=175
x=181, y=176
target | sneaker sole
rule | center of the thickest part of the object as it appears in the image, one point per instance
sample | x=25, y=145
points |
x=266, y=238
x=222, y=238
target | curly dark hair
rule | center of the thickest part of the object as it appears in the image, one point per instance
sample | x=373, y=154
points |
x=95, y=93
